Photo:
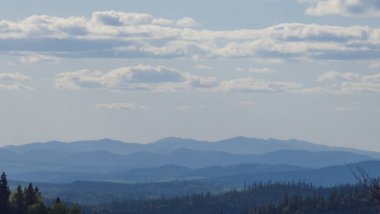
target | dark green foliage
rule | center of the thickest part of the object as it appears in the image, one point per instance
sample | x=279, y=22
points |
x=339, y=200
x=291, y=198
x=18, y=201
x=4, y=194
x=37, y=208
x=31, y=195
x=29, y=201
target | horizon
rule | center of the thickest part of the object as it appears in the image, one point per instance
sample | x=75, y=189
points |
x=194, y=139
x=140, y=71
x=189, y=106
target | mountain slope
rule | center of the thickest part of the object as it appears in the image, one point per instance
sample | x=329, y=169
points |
x=237, y=145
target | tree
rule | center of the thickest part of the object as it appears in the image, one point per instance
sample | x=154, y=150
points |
x=31, y=197
x=18, y=201
x=38, y=208
x=4, y=194
x=59, y=207
x=75, y=210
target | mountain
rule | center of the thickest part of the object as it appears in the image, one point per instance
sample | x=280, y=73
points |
x=245, y=145
x=237, y=145
x=179, y=173
x=100, y=165
x=213, y=179
x=327, y=176
x=110, y=160
x=109, y=145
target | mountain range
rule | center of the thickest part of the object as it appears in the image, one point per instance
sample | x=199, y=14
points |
x=232, y=161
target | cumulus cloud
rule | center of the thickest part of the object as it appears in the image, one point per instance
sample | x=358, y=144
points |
x=159, y=78
x=121, y=106
x=344, y=7
x=141, y=77
x=13, y=81
x=37, y=58
x=112, y=34
x=350, y=82
x=186, y=22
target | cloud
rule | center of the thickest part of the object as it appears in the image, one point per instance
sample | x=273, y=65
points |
x=344, y=7
x=248, y=84
x=121, y=106
x=140, y=77
x=204, y=67
x=367, y=83
x=186, y=22
x=159, y=78
x=334, y=75
x=112, y=34
x=350, y=82
x=348, y=108
x=260, y=70
x=13, y=81
x=375, y=64
x=37, y=58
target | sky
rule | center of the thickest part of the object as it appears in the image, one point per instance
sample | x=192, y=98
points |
x=141, y=70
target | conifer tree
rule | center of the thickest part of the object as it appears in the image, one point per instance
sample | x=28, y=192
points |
x=4, y=194
x=18, y=201
x=30, y=195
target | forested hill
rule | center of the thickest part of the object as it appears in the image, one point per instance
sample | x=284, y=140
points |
x=256, y=199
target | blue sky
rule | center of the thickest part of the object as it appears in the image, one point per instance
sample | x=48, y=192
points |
x=143, y=70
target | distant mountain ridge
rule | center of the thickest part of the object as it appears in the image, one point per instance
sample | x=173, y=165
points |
x=108, y=160
x=236, y=145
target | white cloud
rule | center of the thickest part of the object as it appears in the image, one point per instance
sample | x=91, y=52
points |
x=344, y=7
x=375, y=64
x=350, y=82
x=367, y=83
x=348, y=108
x=112, y=34
x=159, y=78
x=121, y=106
x=260, y=70
x=186, y=22
x=334, y=75
x=37, y=58
x=141, y=77
x=13, y=81
x=204, y=67
x=252, y=85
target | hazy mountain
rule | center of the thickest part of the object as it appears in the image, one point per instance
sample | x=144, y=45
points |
x=213, y=179
x=327, y=176
x=237, y=145
x=108, y=145
x=100, y=165
x=176, y=173
x=111, y=160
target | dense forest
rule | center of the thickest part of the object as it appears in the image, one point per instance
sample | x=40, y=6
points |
x=269, y=198
x=259, y=198
x=29, y=200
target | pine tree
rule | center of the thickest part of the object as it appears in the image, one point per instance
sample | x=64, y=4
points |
x=30, y=195
x=4, y=194
x=18, y=201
